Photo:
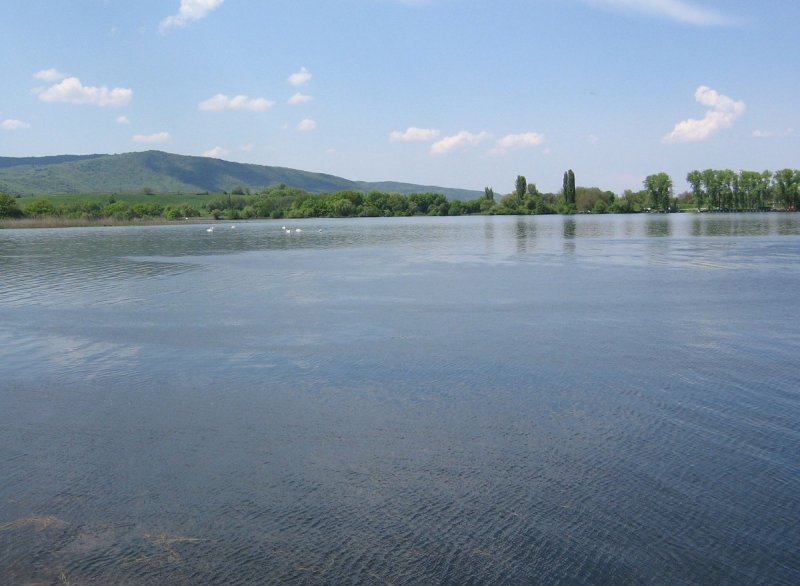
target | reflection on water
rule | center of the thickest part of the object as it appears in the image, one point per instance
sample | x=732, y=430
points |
x=658, y=226
x=525, y=234
x=583, y=399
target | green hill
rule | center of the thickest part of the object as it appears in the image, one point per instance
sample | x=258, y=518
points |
x=168, y=173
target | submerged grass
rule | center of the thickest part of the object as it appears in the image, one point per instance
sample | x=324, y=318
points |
x=165, y=542
x=37, y=522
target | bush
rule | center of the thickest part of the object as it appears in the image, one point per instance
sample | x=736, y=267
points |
x=40, y=207
x=119, y=211
x=8, y=207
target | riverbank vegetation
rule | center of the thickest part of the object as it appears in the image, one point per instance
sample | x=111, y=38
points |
x=711, y=190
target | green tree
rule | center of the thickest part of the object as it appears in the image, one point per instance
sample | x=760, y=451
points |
x=587, y=197
x=765, y=189
x=120, y=210
x=40, y=207
x=427, y=202
x=521, y=188
x=488, y=193
x=343, y=207
x=787, y=182
x=726, y=179
x=568, y=189
x=571, y=182
x=712, y=188
x=8, y=207
x=695, y=179
x=659, y=190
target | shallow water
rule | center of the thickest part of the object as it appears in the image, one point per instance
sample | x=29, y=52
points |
x=418, y=400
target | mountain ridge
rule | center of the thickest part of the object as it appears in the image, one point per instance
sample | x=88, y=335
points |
x=160, y=171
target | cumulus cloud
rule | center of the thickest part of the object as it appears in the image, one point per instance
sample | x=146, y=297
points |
x=12, y=124
x=50, y=75
x=459, y=140
x=414, y=134
x=72, y=91
x=299, y=98
x=240, y=102
x=677, y=10
x=301, y=77
x=306, y=125
x=517, y=141
x=157, y=137
x=722, y=114
x=190, y=10
x=123, y=120
x=216, y=153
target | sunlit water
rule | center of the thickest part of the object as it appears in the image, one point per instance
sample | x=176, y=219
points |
x=403, y=401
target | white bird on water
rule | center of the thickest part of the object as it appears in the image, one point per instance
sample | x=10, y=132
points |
x=211, y=229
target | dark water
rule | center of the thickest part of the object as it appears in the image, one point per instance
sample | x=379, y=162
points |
x=411, y=401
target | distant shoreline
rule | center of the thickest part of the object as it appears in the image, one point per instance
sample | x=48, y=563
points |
x=57, y=222
x=60, y=222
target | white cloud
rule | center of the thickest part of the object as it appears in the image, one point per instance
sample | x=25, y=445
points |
x=771, y=134
x=517, y=141
x=72, y=91
x=216, y=153
x=677, y=10
x=302, y=77
x=299, y=98
x=458, y=140
x=123, y=120
x=306, y=125
x=12, y=124
x=157, y=137
x=412, y=134
x=189, y=11
x=49, y=75
x=248, y=148
x=240, y=102
x=723, y=112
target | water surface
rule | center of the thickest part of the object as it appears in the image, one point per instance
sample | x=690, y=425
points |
x=416, y=400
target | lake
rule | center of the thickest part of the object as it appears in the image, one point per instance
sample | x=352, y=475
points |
x=471, y=400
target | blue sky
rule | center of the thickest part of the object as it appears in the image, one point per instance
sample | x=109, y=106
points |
x=457, y=93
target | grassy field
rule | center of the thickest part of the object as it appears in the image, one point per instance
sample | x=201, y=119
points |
x=197, y=200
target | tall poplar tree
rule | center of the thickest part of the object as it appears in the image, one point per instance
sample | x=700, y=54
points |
x=571, y=181
x=521, y=188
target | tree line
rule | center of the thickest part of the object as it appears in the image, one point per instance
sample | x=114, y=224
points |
x=712, y=190
x=727, y=190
